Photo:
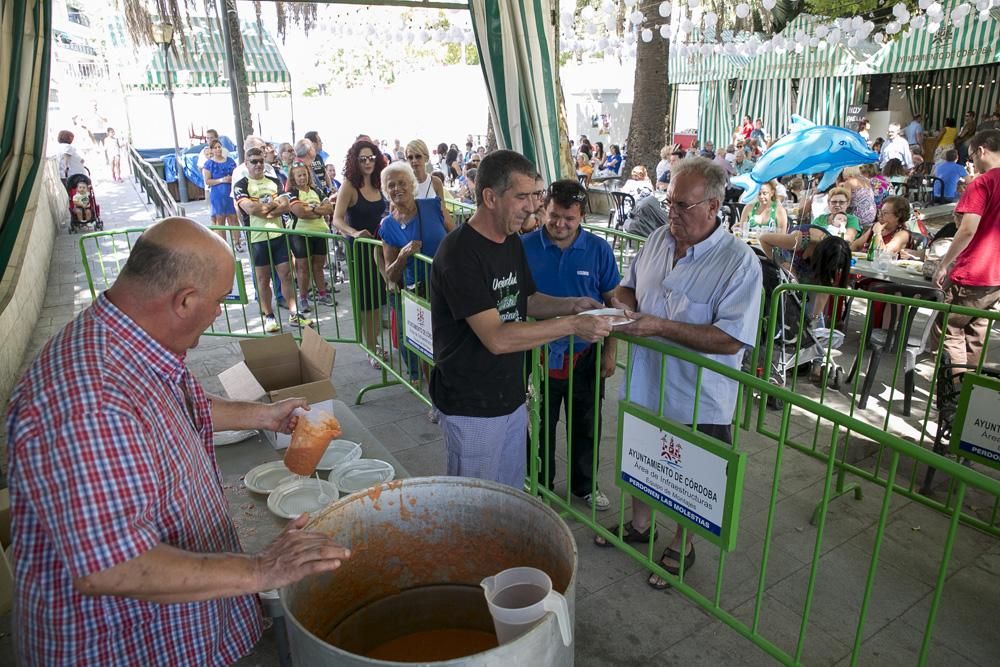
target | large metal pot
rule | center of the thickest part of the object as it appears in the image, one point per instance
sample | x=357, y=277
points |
x=446, y=532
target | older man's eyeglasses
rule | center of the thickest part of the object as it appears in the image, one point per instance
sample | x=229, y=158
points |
x=363, y=159
x=681, y=208
x=257, y=162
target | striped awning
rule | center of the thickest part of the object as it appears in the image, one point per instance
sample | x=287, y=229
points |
x=698, y=68
x=715, y=117
x=516, y=41
x=199, y=60
x=974, y=42
x=824, y=100
x=770, y=100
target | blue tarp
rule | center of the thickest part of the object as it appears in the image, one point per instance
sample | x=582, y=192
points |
x=191, y=170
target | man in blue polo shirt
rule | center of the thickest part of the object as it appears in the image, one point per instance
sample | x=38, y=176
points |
x=568, y=261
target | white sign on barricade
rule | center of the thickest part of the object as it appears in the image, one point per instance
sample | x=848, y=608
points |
x=690, y=475
x=976, y=428
x=417, y=330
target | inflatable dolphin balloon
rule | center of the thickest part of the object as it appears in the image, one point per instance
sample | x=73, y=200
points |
x=807, y=149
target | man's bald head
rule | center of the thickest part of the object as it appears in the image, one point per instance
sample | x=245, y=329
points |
x=172, y=254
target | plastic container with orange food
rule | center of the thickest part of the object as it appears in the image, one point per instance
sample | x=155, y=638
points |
x=312, y=435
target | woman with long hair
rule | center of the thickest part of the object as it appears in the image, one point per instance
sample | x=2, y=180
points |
x=359, y=211
x=217, y=172
x=765, y=214
x=451, y=159
x=889, y=233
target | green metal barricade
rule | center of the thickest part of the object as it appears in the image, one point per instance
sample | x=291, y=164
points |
x=786, y=571
x=104, y=254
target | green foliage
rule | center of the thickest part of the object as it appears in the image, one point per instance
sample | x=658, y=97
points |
x=870, y=9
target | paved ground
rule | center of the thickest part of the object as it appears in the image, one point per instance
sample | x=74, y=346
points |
x=620, y=620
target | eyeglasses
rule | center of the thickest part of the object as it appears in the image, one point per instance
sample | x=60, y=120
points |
x=838, y=202
x=681, y=208
x=567, y=191
x=363, y=159
x=411, y=158
x=255, y=162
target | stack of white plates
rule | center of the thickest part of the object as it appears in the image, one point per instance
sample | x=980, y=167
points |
x=301, y=494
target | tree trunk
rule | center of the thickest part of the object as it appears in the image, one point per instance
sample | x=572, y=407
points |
x=239, y=64
x=649, y=127
x=491, y=134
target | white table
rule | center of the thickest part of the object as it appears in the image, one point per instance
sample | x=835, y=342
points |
x=894, y=274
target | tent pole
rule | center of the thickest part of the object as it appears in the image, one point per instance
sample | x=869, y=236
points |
x=291, y=108
x=227, y=40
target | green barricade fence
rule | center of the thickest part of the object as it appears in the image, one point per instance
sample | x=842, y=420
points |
x=460, y=211
x=624, y=245
x=800, y=583
x=104, y=254
x=899, y=378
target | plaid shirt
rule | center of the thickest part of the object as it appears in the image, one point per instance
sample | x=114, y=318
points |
x=110, y=455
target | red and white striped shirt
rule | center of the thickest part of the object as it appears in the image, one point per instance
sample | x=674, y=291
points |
x=110, y=453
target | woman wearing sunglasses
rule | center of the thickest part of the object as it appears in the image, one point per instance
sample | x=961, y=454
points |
x=428, y=185
x=360, y=208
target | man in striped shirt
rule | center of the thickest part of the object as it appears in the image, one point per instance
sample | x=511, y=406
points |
x=124, y=551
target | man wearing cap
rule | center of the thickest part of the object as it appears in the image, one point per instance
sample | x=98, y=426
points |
x=569, y=261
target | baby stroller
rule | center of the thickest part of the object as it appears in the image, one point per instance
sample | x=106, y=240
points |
x=89, y=201
x=795, y=343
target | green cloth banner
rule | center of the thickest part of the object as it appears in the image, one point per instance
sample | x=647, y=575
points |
x=824, y=100
x=516, y=42
x=715, y=117
x=25, y=42
x=771, y=101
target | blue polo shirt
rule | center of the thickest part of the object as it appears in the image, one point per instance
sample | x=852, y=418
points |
x=586, y=268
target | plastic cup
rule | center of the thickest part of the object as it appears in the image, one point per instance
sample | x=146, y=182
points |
x=312, y=435
x=520, y=597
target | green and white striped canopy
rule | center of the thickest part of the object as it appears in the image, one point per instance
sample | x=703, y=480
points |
x=824, y=100
x=770, y=100
x=974, y=42
x=199, y=61
x=516, y=41
x=715, y=118
x=697, y=68
x=828, y=61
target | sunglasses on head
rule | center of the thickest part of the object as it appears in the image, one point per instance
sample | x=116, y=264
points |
x=366, y=158
x=258, y=161
x=567, y=191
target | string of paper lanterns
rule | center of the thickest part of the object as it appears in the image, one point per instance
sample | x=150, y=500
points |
x=693, y=31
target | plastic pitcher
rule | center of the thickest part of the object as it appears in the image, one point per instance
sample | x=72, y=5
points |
x=519, y=598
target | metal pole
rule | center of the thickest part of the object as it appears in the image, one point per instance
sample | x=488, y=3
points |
x=231, y=73
x=178, y=158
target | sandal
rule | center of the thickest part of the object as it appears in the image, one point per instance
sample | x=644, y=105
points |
x=659, y=584
x=629, y=535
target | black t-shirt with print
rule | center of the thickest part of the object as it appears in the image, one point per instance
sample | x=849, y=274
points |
x=471, y=274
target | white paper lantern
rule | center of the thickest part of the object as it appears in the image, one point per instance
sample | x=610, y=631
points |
x=608, y=7
x=647, y=35
x=665, y=31
x=961, y=11
x=834, y=36
x=933, y=27
x=629, y=38
x=891, y=28
x=935, y=10
x=630, y=3
x=924, y=4
x=822, y=31
x=742, y=10
x=769, y=4
x=710, y=19
x=610, y=23
x=602, y=43
x=878, y=38
x=813, y=42
x=984, y=15
x=694, y=4
x=686, y=25
x=636, y=17
x=852, y=41
x=665, y=9
x=918, y=22
x=982, y=5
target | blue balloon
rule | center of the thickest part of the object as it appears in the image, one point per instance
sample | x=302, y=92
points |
x=807, y=149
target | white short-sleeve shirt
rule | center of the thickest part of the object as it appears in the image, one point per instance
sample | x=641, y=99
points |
x=718, y=282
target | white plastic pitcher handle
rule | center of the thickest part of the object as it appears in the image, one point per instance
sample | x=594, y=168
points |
x=556, y=603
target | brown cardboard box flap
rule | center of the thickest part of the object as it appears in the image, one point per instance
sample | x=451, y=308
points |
x=313, y=392
x=277, y=373
x=318, y=356
x=263, y=349
x=240, y=383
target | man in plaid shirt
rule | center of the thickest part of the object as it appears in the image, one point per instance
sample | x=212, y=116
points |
x=124, y=551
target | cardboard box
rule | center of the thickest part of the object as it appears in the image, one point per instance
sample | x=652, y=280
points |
x=276, y=367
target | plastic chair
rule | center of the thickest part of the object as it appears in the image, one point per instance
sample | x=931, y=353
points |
x=879, y=341
x=622, y=203
x=583, y=183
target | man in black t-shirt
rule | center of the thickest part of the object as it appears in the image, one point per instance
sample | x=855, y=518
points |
x=481, y=294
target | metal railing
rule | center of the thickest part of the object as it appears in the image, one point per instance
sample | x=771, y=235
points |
x=155, y=188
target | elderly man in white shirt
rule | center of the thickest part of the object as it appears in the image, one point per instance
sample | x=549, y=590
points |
x=895, y=146
x=695, y=285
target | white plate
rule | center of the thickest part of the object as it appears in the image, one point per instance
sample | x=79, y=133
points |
x=223, y=438
x=298, y=495
x=339, y=451
x=265, y=477
x=361, y=474
x=617, y=315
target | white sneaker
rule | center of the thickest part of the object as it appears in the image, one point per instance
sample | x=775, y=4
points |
x=597, y=500
x=271, y=324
